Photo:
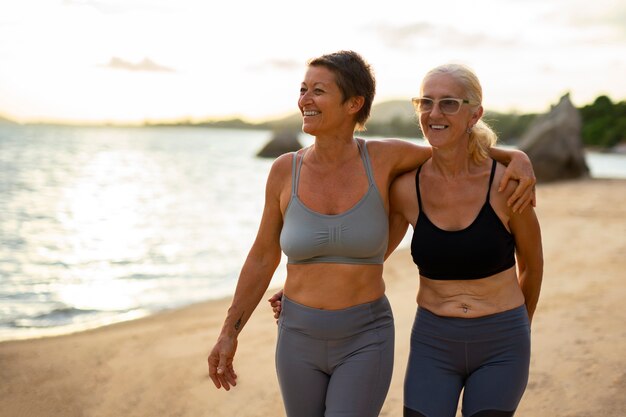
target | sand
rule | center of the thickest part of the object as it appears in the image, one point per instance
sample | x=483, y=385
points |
x=157, y=366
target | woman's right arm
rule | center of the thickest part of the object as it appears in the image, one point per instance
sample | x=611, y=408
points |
x=525, y=229
x=529, y=254
x=254, y=278
x=402, y=207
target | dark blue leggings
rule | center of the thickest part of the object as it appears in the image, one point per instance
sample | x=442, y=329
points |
x=486, y=357
x=335, y=363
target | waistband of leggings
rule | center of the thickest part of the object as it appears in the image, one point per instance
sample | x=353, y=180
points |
x=494, y=326
x=335, y=324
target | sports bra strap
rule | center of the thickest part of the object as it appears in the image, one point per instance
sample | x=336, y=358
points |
x=366, y=160
x=417, y=183
x=294, y=179
x=493, y=173
x=295, y=175
x=417, y=187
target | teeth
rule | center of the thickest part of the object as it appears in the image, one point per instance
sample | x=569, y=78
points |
x=437, y=127
x=311, y=113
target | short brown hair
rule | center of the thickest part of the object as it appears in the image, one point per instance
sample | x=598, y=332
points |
x=354, y=78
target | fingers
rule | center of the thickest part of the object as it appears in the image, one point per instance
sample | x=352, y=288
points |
x=226, y=374
x=223, y=375
x=276, y=297
x=276, y=307
x=529, y=198
x=522, y=195
x=275, y=302
x=519, y=208
x=213, y=371
x=221, y=370
x=506, y=176
x=517, y=204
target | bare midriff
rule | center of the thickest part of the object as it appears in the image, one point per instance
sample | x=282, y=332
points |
x=471, y=298
x=331, y=286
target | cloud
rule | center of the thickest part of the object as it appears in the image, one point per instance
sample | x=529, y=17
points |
x=121, y=6
x=403, y=35
x=425, y=34
x=101, y=6
x=605, y=22
x=145, y=65
x=613, y=20
x=278, y=64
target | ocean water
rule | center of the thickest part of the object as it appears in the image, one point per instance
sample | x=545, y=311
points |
x=101, y=225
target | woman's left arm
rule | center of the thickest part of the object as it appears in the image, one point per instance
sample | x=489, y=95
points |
x=518, y=167
x=529, y=253
x=403, y=156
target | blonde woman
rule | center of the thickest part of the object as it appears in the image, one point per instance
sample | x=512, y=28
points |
x=480, y=263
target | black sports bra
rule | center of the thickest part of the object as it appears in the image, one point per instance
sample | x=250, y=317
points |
x=482, y=249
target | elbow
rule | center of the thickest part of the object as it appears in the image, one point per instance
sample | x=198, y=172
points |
x=531, y=273
x=265, y=259
x=270, y=260
x=530, y=264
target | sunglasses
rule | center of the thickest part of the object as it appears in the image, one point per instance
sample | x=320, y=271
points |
x=446, y=105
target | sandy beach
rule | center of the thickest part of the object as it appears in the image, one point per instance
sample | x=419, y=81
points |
x=157, y=366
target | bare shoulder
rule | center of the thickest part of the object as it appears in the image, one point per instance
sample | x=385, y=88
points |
x=283, y=162
x=280, y=172
x=501, y=197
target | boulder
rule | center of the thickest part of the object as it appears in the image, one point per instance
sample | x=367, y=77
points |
x=281, y=142
x=554, y=144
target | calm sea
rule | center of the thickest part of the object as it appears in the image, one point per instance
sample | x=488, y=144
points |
x=101, y=225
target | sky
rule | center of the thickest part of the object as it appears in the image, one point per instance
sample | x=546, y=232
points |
x=132, y=61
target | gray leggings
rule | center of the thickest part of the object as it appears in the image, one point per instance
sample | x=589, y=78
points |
x=335, y=362
x=488, y=357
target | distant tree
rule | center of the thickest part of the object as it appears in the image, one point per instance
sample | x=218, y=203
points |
x=397, y=126
x=604, y=122
x=509, y=127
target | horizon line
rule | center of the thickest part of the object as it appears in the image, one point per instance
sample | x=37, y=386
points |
x=6, y=118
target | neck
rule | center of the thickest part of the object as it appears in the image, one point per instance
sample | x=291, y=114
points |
x=333, y=150
x=452, y=162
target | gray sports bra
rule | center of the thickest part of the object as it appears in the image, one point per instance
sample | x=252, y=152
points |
x=356, y=236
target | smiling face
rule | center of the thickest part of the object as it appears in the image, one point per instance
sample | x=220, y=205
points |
x=442, y=129
x=322, y=104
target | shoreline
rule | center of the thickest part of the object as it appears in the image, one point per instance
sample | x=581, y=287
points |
x=157, y=364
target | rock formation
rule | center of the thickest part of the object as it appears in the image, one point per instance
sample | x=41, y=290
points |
x=554, y=144
x=281, y=142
